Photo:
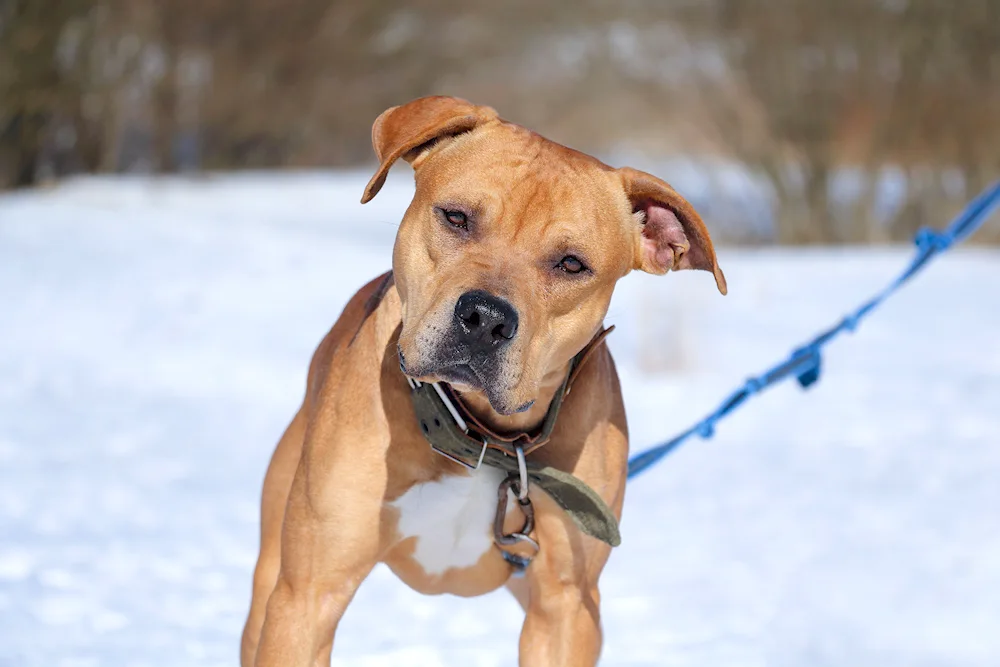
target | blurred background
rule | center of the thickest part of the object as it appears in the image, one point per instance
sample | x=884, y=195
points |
x=801, y=122
x=179, y=227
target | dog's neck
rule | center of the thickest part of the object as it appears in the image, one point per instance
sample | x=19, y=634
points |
x=521, y=422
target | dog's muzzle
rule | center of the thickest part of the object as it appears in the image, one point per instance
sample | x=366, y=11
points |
x=472, y=352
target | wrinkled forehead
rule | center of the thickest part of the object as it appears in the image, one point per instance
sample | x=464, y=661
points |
x=525, y=183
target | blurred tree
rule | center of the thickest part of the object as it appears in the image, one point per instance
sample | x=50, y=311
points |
x=825, y=94
x=33, y=89
x=864, y=118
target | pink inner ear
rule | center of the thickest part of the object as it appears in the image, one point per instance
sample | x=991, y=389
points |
x=664, y=242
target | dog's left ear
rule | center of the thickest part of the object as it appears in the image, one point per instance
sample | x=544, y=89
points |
x=408, y=131
x=671, y=234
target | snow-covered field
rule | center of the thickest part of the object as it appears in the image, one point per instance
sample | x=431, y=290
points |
x=154, y=337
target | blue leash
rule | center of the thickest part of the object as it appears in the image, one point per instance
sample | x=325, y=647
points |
x=804, y=362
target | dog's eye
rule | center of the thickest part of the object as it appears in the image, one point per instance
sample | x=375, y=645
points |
x=456, y=219
x=570, y=264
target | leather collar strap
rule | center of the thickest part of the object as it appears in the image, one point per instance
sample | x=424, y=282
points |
x=454, y=432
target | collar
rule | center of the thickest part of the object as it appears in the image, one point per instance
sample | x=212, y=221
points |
x=480, y=435
x=454, y=432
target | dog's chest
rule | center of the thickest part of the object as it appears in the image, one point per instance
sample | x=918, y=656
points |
x=451, y=519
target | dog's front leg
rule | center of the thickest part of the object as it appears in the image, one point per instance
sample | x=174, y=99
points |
x=329, y=544
x=562, y=624
x=562, y=627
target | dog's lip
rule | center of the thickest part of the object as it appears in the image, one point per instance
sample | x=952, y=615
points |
x=441, y=373
x=462, y=374
x=463, y=378
x=524, y=407
x=457, y=374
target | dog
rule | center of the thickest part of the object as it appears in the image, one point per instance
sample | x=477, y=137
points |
x=489, y=328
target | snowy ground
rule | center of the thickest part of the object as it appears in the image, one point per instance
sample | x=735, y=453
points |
x=154, y=338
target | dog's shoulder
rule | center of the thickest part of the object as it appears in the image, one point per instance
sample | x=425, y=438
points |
x=346, y=332
x=369, y=298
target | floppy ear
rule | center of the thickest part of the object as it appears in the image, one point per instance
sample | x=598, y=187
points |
x=406, y=131
x=672, y=235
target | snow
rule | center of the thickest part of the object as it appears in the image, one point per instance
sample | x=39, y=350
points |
x=155, y=336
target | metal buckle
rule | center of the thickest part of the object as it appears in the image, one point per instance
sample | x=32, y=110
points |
x=451, y=408
x=459, y=421
x=522, y=471
x=482, y=455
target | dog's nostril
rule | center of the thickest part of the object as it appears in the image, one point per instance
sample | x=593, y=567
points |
x=437, y=422
x=485, y=320
x=423, y=425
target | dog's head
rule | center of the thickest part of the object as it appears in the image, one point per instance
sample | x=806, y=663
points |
x=507, y=257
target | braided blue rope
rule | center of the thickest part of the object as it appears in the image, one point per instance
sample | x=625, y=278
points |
x=805, y=361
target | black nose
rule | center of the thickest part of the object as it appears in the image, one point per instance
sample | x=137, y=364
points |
x=485, y=322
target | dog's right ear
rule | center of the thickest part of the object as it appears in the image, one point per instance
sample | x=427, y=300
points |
x=407, y=131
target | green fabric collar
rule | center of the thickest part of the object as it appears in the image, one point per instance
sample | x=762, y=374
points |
x=454, y=433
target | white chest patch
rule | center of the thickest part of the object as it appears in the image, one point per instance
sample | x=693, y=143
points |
x=451, y=518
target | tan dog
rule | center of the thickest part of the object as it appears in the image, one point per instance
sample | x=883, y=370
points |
x=503, y=270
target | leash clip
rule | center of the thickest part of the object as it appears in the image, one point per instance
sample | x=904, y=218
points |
x=503, y=539
x=523, y=536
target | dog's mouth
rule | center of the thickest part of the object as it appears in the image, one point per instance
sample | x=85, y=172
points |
x=461, y=375
x=455, y=373
x=464, y=377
